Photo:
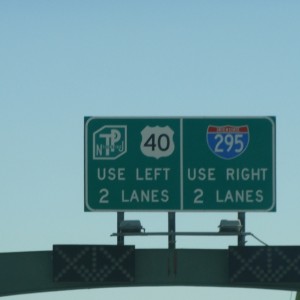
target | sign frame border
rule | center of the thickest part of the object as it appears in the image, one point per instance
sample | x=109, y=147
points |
x=271, y=119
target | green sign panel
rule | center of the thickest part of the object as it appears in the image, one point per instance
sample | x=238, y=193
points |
x=180, y=164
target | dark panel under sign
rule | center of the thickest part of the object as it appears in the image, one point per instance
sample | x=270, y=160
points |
x=267, y=264
x=93, y=263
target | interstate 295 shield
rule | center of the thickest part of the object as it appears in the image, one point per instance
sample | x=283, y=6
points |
x=228, y=142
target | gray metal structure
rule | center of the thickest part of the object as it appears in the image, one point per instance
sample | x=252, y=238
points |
x=31, y=272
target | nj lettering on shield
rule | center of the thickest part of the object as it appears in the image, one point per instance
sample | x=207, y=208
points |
x=228, y=142
x=157, y=141
x=110, y=142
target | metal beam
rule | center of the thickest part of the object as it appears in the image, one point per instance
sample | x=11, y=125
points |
x=32, y=272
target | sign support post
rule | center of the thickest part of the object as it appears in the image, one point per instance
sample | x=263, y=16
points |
x=120, y=238
x=242, y=238
x=171, y=230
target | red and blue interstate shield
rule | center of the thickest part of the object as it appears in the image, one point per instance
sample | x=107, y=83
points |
x=228, y=142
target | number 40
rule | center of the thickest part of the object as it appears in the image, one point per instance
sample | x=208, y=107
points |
x=161, y=141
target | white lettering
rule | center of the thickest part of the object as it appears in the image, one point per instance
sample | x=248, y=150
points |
x=198, y=198
x=145, y=196
x=201, y=174
x=246, y=174
x=152, y=174
x=111, y=174
x=239, y=196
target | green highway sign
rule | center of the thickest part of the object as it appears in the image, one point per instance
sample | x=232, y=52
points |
x=180, y=164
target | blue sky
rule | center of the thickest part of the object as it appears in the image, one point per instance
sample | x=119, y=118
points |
x=63, y=60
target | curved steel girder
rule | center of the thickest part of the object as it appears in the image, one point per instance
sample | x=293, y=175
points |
x=31, y=272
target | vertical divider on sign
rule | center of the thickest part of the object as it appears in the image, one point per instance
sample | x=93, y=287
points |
x=181, y=164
